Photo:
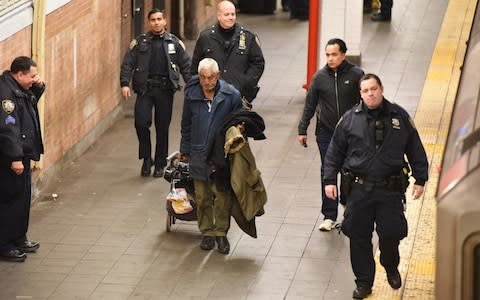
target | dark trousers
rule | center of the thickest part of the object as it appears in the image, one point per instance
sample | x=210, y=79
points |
x=162, y=101
x=15, y=201
x=380, y=207
x=329, y=206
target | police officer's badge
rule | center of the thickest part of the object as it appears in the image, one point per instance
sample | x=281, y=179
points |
x=241, y=43
x=395, y=123
x=8, y=106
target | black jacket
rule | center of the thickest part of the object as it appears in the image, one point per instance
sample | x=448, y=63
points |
x=241, y=62
x=136, y=62
x=20, y=135
x=330, y=95
x=353, y=149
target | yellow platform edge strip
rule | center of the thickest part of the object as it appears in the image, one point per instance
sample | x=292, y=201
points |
x=417, y=251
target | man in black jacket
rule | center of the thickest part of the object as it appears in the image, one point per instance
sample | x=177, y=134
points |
x=333, y=90
x=370, y=143
x=154, y=62
x=20, y=142
x=236, y=50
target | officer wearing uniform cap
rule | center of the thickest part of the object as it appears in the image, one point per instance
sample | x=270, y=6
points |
x=20, y=142
x=153, y=63
x=370, y=143
x=236, y=50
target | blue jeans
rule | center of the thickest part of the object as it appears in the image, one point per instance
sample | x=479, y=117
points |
x=329, y=206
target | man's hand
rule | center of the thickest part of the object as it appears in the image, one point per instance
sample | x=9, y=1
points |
x=417, y=191
x=302, y=139
x=17, y=167
x=182, y=157
x=241, y=127
x=126, y=92
x=331, y=191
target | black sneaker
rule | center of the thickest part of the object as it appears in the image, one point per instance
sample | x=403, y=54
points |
x=27, y=246
x=12, y=255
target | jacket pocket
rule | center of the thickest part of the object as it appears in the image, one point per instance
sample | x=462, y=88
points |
x=254, y=181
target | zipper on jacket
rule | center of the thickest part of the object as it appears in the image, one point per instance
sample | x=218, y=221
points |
x=336, y=96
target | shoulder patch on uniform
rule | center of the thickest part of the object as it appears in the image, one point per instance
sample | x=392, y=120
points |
x=182, y=44
x=8, y=106
x=133, y=43
x=411, y=122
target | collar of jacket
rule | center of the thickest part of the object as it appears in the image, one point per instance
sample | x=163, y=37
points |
x=215, y=34
x=342, y=68
x=167, y=36
x=193, y=90
x=388, y=107
x=14, y=86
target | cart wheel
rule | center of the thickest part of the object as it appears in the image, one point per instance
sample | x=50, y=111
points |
x=169, y=222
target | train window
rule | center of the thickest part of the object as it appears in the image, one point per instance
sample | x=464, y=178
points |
x=461, y=149
x=471, y=267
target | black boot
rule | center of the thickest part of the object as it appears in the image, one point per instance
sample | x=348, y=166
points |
x=361, y=292
x=223, y=246
x=147, y=167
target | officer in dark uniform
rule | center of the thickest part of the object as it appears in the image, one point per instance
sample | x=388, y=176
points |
x=370, y=143
x=20, y=142
x=236, y=50
x=385, y=12
x=154, y=62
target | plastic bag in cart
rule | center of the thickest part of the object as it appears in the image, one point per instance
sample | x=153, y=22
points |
x=179, y=199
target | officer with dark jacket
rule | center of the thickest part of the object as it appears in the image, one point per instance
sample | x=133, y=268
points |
x=20, y=142
x=333, y=91
x=370, y=143
x=236, y=50
x=154, y=62
x=208, y=101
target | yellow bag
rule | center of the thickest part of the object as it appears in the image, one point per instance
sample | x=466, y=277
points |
x=179, y=199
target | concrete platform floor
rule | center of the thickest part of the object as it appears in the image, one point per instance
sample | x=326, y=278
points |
x=104, y=236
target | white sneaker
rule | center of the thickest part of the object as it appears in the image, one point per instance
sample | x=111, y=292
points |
x=326, y=225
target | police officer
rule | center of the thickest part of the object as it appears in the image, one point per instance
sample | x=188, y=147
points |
x=154, y=62
x=20, y=142
x=370, y=142
x=236, y=50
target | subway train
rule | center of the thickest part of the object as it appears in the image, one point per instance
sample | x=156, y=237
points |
x=457, y=274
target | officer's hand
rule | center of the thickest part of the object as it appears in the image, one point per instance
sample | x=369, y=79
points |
x=17, y=167
x=302, y=139
x=126, y=92
x=417, y=191
x=37, y=81
x=331, y=191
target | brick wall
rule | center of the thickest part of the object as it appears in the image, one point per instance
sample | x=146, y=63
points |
x=82, y=59
x=16, y=45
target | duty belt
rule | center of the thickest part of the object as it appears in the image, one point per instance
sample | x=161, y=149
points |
x=363, y=181
x=159, y=82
